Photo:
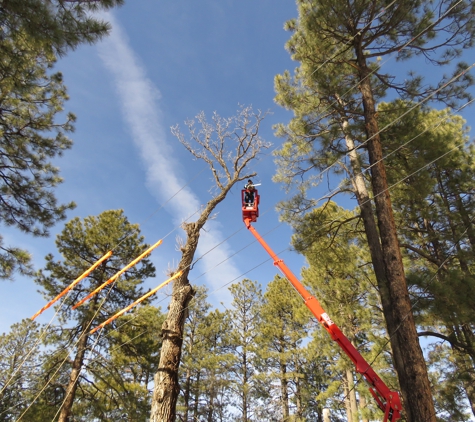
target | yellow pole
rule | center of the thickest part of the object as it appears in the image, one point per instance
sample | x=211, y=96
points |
x=114, y=277
x=145, y=296
x=67, y=289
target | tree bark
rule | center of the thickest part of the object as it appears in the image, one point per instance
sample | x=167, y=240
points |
x=165, y=394
x=363, y=405
x=409, y=360
x=244, y=385
x=352, y=396
x=166, y=390
x=346, y=391
x=186, y=394
x=372, y=236
x=227, y=166
x=65, y=413
x=467, y=221
x=284, y=391
x=298, y=393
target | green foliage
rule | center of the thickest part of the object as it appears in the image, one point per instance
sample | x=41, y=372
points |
x=57, y=25
x=30, y=99
x=22, y=374
x=81, y=244
x=282, y=329
x=245, y=320
x=452, y=379
x=118, y=377
x=332, y=43
x=32, y=34
x=341, y=278
x=429, y=156
x=339, y=47
x=205, y=362
x=432, y=170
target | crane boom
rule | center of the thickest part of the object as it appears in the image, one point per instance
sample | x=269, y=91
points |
x=388, y=400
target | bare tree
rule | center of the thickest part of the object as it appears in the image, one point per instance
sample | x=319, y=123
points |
x=227, y=145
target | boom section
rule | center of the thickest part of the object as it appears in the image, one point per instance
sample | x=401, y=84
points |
x=387, y=400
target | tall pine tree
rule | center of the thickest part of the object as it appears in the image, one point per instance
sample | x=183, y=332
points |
x=334, y=95
x=82, y=243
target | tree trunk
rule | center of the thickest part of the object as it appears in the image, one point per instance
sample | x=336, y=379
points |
x=284, y=391
x=211, y=407
x=298, y=393
x=409, y=360
x=197, y=397
x=65, y=413
x=372, y=236
x=467, y=221
x=244, y=387
x=453, y=225
x=227, y=165
x=186, y=394
x=166, y=389
x=352, y=395
x=363, y=405
x=347, y=401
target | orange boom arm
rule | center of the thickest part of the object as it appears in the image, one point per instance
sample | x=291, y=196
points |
x=145, y=296
x=116, y=275
x=387, y=400
x=67, y=289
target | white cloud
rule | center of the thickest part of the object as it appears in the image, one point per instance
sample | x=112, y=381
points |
x=139, y=99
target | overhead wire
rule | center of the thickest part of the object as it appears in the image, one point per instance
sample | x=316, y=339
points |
x=373, y=71
x=268, y=259
x=7, y=383
x=424, y=291
x=382, y=129
x=84, y=333
x=390, y=187
x=367, y=140
x=65, y=297
x=400, y=181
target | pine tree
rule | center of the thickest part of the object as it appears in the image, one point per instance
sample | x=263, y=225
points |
x=82, y=243
x=32, y=34
x=338, y=46
x=205, y=363
x=282, y=330
x=339, y=275
x=434, y=207
x=21, y=375
x=119, y=376
x=193, y=348
x=56, y=25
x=31, y=97
x=245, y=319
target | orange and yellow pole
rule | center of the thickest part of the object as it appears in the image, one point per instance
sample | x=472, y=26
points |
x=67, y=289
x=145, y=296
x=115, y=276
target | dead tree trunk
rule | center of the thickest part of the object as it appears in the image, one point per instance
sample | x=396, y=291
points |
x=227, y=163
x=166, y=390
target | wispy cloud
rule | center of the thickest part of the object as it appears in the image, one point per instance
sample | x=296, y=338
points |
x=139, y=99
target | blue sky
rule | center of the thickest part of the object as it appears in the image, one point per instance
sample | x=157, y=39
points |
x=163, y=63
